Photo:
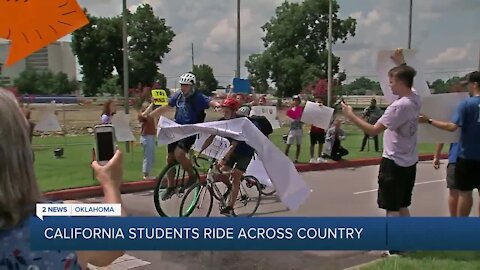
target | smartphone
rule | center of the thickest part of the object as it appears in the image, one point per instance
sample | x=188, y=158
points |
x=105, y=143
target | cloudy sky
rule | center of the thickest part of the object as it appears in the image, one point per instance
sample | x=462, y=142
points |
x=445, y=33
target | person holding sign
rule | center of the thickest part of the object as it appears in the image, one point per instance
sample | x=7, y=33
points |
x=190, y=106
x=295, y=135
x=147, y=139
x=467, y=117
x=398, y=167
x=317, y=136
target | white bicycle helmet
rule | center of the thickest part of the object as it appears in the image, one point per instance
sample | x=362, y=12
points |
x=187, y=78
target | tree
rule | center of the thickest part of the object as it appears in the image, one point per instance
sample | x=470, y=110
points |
x=111, y=87
x=206, y=81
x=360, y=85
x=258, y=67
x=296, y=45
x=99, y=48
x=439, y=86
x=150, y=40
x=44, y=82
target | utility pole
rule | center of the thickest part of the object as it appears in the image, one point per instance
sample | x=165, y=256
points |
x=125, y=63
x=193, y=58
x=237, y=73
x=329, y=71
x=410, y=25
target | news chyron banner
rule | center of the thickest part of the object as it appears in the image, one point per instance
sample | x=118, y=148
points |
x=160, y=97
x=99, y=227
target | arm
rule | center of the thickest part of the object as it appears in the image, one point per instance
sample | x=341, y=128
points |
x=214, y=104
x=110, y=177
x=159, y=111
x=207, y=143
x=436, y=156
x=372, y=130
x=147, y=111
x=447, y=126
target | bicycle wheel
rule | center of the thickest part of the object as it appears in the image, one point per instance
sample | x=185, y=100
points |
x=169, y=206
x=248, y=198
x=197, y=201
x=267, y=190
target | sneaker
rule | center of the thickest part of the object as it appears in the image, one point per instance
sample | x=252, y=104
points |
x=392, y=253
x=167, y=194
x=312, y=160
x=227, y=193
x=321, y=160
x=227, y=211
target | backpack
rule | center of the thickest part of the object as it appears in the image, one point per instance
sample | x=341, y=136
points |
x=262, y=123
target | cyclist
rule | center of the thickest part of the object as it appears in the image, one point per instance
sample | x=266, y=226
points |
x=236, y=159
x=190, y=106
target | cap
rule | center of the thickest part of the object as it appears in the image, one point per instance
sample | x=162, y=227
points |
x=296, y=97
x=471, y=78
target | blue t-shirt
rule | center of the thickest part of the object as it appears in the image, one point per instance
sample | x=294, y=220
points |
x=467, y=116
x=453, y=153
x=188, y=110
x=242, y=149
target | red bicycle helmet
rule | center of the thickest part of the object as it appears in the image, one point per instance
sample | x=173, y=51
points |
x=231, y=103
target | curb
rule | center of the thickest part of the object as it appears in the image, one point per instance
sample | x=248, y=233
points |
x=137, y=186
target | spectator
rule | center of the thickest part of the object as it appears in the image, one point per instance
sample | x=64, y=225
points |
x=295, y=134
x=147, y=139
x=335, y=136
x=262, y=101
x=109, y=109
x=452, y=185
x=19, y=193
x=371, y=114
x=467, y=117
x=398, y=167
x=317, y=136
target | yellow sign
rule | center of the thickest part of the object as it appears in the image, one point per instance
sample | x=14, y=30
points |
x=160, y=97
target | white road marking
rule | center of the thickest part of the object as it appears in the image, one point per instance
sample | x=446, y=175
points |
x=416, y=184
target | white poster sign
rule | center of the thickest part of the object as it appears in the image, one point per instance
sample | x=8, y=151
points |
x=291, y=188
x=48, y=121
x=385, y=63
x=439, y=107
x=216, y=150
x=317, y=115
x=123, y=131
x=270, y=112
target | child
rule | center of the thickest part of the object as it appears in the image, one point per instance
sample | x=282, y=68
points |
x=237, y=158
x=295, y=135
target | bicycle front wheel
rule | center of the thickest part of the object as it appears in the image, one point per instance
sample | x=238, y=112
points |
x=197, y=201
x=167, y=200
x=249, y=197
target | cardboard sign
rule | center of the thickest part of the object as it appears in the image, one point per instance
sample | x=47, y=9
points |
x=317, y=115
x=160, y=97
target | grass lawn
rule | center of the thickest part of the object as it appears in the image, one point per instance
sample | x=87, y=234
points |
x=74, y=169
x=439, y=260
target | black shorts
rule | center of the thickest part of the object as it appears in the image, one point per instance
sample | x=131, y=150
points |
x=240, y=162
x=184, y=144
x=466, y=174
x=395, y=185
x=451, y=183
x=317, y=138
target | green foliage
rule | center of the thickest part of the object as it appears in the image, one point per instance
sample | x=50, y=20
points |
x=44, y=82
x=111, y=87
x=206, y=81
x=99, y=48
x=360, y=85
x=440, y=86
x=296, y=45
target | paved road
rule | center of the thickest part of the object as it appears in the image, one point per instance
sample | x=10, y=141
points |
x=343, y=192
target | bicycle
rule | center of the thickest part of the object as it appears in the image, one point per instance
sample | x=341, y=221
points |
x=267, y=190
x=170, y=206
x=210, y=189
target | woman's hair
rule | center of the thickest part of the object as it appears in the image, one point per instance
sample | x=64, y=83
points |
x=18, y=187
x=106, y=108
